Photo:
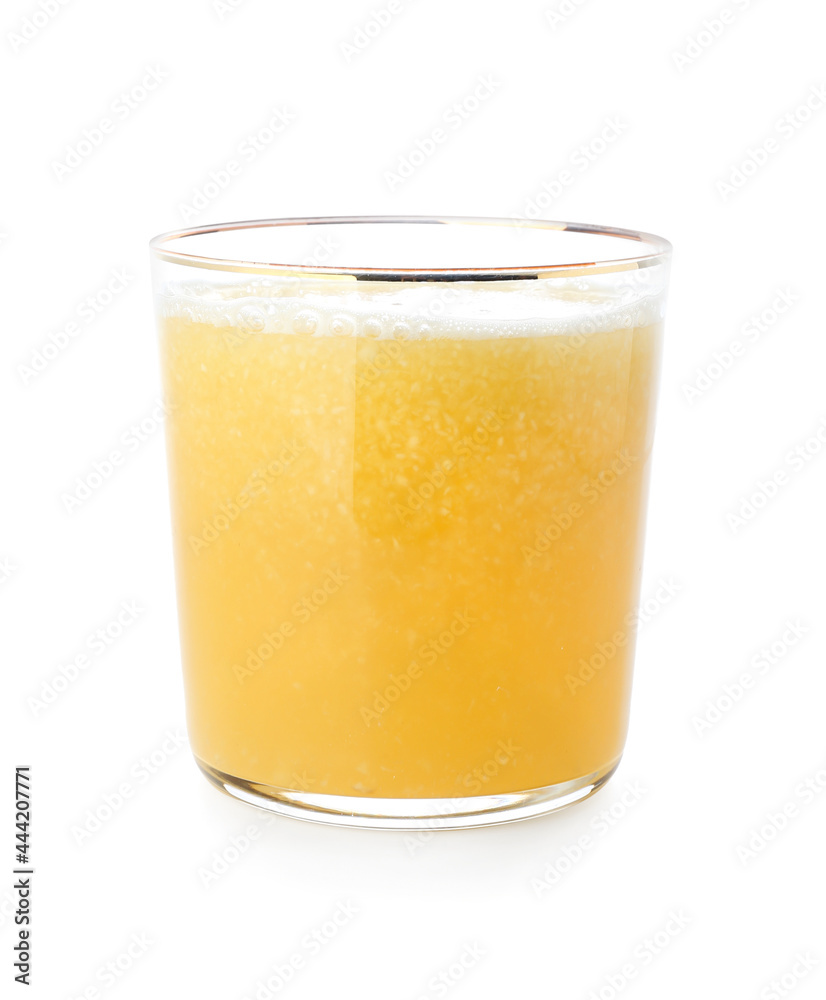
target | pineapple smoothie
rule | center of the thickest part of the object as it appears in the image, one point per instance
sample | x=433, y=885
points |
x=408, y=534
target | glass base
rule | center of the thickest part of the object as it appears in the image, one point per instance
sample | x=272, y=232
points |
x=410, y=814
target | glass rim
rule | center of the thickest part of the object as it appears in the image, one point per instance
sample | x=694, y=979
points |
x=658, y=250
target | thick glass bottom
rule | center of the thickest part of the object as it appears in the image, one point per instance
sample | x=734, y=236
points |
x=410, y=814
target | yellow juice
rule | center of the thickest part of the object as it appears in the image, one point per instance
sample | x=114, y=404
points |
x=408, y=553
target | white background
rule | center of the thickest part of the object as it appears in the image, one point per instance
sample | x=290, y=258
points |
x=683, y=129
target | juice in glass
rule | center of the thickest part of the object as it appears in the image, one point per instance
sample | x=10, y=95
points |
x=408, y=525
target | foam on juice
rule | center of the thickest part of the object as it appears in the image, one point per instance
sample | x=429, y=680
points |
x=343, y=306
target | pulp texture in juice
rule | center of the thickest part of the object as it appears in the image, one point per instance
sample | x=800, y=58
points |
x=408, y=550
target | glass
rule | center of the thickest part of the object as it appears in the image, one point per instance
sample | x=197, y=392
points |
x=408, y=490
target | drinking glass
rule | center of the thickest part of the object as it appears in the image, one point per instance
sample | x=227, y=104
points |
x=408, y=463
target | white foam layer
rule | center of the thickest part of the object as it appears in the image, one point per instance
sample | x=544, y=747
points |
x=415, y=310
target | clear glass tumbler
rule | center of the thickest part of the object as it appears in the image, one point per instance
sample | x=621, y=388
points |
x=408, y=467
